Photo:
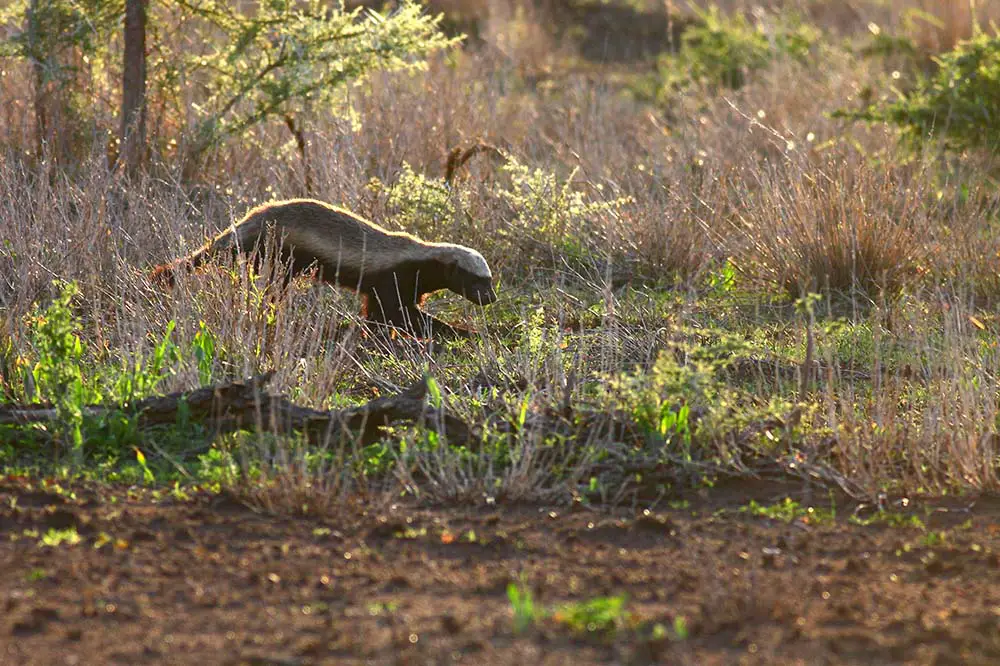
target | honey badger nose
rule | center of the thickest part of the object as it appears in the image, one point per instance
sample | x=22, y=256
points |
x=487, y=296
x=483, y=294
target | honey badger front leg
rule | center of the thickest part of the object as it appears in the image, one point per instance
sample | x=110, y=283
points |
x=428, y=326
x=386, y=302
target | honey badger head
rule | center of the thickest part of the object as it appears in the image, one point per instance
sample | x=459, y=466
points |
x=467, y=273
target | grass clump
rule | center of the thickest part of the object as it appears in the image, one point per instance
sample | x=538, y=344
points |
x=522, y=602
x=847, y=228
x=601, y=615
x=597, y=616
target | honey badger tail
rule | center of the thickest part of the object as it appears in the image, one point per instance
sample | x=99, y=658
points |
x=166, y=274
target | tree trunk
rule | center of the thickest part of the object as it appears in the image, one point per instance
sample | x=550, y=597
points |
x=38, y=72
x=133, y=131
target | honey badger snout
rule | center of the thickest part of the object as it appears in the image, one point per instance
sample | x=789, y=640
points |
x=480, y=292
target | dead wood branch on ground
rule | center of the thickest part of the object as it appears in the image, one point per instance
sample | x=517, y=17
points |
x=246, y=406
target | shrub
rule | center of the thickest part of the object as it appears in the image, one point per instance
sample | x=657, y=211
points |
x=959, y=104
x=551, y=211
x=420, y=204
x=721, y=50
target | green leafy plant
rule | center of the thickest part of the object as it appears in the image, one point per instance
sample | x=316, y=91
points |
x=65, y=374
x=147, y=474
x=934, y=538
x=54, y=538
x=680, y=628
x=659, y=401
x=58, y=373
x=788, y=510
x=141, y=378
x=890, y=518
x=722, y=281
x=203, y=349
x=36, y=575
x=600, y=615
x=218, y=468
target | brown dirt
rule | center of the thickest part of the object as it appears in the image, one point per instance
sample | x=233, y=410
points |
x=204, y=580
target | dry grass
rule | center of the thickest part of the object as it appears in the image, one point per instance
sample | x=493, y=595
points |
x=940, y=24
x=928, y=418
x=799, y=201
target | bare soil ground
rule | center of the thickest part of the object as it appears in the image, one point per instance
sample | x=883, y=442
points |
x=205, y=580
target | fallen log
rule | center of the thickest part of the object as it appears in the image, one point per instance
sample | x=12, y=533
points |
x=247, y=406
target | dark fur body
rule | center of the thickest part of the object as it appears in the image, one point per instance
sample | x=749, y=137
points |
x=393, y=271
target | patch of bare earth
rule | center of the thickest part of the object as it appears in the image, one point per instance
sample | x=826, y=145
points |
x=207, y=581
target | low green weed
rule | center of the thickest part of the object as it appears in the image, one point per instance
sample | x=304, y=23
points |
x=523, y=604
x=58, y=373
x=600, y=615
x=722, y=282
x=934, y=538
x=890, y=518
x=788, y=510
x=203, y=350
x=143, y=376
x=54, y=538
x=36, y=575
x=688, y=411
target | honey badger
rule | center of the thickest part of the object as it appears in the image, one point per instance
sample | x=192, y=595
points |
x=392, y=271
